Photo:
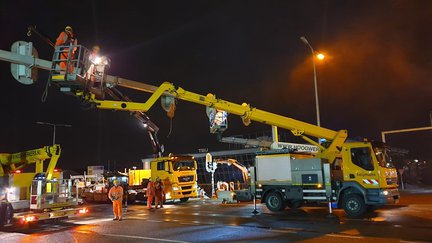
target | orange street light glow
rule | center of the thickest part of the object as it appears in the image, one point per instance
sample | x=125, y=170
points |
x=320, y=56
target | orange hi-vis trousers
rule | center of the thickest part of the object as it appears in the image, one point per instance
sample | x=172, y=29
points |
x=117, y=208
x=149, y=201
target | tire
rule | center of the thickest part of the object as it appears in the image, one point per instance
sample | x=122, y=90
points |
x=184, y=199
x=274, y=201
x=294, y=204
x=354, y=205
x=6, y=214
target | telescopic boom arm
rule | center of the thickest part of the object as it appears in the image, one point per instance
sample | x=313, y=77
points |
x=245, y=111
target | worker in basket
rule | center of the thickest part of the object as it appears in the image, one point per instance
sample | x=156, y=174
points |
x=93, y=59
x=66, y=38
x=91, y=73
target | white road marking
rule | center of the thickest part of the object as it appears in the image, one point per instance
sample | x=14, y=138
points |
x=5, y=236
x=344, y=236
x=92, y=221
x=144, y=238
x=152, y=220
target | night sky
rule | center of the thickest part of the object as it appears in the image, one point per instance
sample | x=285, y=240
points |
x=377, y=75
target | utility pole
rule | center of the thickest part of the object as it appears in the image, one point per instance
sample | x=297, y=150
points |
x=54, y=128
x=304, y=40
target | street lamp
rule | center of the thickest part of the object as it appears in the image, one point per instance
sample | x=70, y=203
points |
x=321, y=56
x=54, y=126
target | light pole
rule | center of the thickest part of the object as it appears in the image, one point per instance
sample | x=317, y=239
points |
x=304, y=40
x=54, y=126
x=430, y=117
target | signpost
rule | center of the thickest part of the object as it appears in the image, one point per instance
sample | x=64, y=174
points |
x=211, y=167
x=401, y=171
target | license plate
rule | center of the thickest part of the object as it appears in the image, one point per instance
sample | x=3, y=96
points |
x=57, y=214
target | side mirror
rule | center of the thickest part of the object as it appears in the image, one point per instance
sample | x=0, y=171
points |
x=167, y=167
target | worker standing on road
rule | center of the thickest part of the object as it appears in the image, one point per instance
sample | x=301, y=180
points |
x=150, y=193
x=116, y=196
x=66, y=38
x=159, y=193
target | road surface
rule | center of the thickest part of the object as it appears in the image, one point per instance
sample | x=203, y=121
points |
x=210, y=221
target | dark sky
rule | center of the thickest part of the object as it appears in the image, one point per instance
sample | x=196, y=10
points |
x=377, y=75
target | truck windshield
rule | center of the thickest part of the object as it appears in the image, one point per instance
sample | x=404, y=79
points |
x=384, y=160
x=184, y=165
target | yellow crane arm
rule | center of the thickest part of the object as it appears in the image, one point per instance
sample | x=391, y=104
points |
x=245, y=111
x=239, y=166
x=16, y=161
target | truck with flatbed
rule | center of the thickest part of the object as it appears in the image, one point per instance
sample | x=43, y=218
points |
x=28, y=197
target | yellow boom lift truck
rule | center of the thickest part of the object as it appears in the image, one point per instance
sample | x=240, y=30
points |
x=354, y=176
x=28, y=197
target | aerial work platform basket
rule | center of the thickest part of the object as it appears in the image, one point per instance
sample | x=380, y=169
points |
x=69, y=63
x=72, y=70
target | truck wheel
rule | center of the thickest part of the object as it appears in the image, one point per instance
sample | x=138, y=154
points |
x=294, y=203
x=9, y=214
x=354, y=205
x=6, y=214
x=274, y=201
x=184, y=199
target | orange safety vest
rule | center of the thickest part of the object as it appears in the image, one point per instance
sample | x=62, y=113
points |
x=65, y=39
x=116, y=193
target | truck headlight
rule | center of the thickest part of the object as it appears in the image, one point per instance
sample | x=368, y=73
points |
x=385, y=192
x=195, y=186
x=175, y=188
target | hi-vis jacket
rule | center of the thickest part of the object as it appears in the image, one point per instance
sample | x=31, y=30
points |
x=116, y=193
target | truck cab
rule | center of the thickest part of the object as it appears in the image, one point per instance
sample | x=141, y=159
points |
x=368, y=172
x=178, y=174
